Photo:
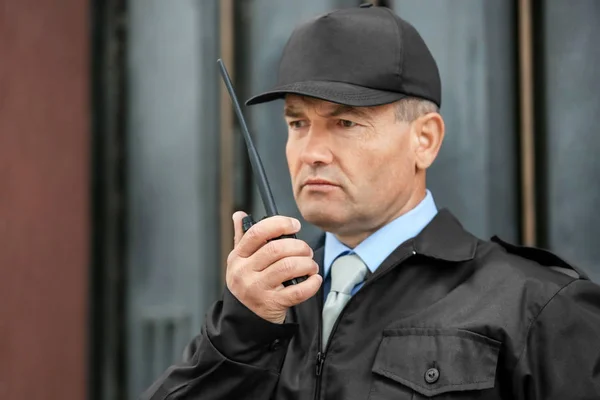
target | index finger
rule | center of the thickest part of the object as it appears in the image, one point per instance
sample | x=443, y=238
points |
x=265, y=230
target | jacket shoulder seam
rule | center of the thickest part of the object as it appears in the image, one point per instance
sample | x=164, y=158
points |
x=533, y=320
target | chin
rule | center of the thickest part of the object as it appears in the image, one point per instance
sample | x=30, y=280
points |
x=323, y=217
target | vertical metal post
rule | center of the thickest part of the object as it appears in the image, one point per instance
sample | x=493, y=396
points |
x=528, y=193
x=226, y=137
x=107, y=375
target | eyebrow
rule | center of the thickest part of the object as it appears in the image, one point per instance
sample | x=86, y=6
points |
x=292, y=112
x=341, y=109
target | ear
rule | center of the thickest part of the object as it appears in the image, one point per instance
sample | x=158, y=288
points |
x=429, y=133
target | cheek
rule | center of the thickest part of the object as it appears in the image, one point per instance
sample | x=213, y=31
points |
x=390, y=168
x=291, y=154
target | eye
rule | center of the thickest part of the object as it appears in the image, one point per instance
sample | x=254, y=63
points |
x=297, y=124
x=344, y=123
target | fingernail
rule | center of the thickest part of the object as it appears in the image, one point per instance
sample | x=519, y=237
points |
x=296, y=223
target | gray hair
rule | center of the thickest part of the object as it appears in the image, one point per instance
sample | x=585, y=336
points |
x=411, y=108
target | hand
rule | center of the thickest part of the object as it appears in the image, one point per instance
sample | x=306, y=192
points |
x=256, y=268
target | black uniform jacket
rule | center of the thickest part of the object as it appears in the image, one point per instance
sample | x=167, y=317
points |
x=446, y=316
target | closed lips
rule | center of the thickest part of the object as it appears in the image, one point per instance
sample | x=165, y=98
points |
x=318, y=182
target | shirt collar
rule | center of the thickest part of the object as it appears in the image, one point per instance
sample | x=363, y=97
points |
x=379, y=245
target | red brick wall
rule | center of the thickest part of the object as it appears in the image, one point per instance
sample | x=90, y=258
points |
x=44, y=179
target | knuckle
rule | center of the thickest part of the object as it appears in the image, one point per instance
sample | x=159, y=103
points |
x=298, y=294
x=313, y=267
x=231, y=257
x=255, y=233
x=301, y=247
x=273, y=249
x=235, y=278
x=287, y=265
x=240, y=272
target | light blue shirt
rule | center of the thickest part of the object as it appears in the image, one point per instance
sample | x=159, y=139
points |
x=379, y=245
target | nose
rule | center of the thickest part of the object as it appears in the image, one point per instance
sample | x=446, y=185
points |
x=316, y=148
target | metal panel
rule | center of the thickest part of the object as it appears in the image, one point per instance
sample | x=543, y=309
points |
x=261, y=40
x=173, y=270
x=571, y=81
x=475, y=173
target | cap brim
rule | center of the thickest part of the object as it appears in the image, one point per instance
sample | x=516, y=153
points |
x=335, y=92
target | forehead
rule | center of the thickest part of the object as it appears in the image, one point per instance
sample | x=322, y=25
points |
x=294, y=101
x=296, y=104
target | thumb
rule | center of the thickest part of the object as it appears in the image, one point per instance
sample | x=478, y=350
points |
x=237, y=227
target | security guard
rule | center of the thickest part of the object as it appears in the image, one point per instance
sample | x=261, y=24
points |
x=399, y=300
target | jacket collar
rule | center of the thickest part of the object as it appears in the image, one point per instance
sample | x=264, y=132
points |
x=444, y=238
x=319, y=252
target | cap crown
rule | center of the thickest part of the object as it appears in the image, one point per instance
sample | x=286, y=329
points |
x=370, y=47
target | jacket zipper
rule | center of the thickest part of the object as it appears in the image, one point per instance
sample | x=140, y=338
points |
x=320, y=360
x=322, y=354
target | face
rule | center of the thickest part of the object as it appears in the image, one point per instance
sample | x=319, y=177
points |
x=352, y=169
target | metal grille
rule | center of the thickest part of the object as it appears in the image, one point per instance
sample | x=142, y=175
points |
x=163, y=340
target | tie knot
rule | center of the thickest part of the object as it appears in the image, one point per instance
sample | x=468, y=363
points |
x=346, y=272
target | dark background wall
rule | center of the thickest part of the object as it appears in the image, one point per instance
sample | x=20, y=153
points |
x=476, y=174
x=569, y=130
x=44, y=170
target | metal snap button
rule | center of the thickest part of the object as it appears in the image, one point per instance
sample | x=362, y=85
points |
x=275, y=345
x=432, y=375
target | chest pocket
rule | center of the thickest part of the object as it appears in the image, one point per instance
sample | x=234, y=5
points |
x=433, y=362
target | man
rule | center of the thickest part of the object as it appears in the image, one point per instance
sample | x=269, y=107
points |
x=399, y=301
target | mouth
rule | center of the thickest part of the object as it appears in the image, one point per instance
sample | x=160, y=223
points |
x=319, y=185
x=318, y=182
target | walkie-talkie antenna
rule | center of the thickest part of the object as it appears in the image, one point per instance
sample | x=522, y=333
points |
x=259, y=172
x=257, y=167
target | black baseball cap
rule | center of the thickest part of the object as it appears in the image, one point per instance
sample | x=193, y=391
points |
x=362, y=56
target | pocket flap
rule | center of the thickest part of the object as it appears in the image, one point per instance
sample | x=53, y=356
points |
x=434, y=361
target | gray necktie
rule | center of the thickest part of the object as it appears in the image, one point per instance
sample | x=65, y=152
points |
x=346, y=272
